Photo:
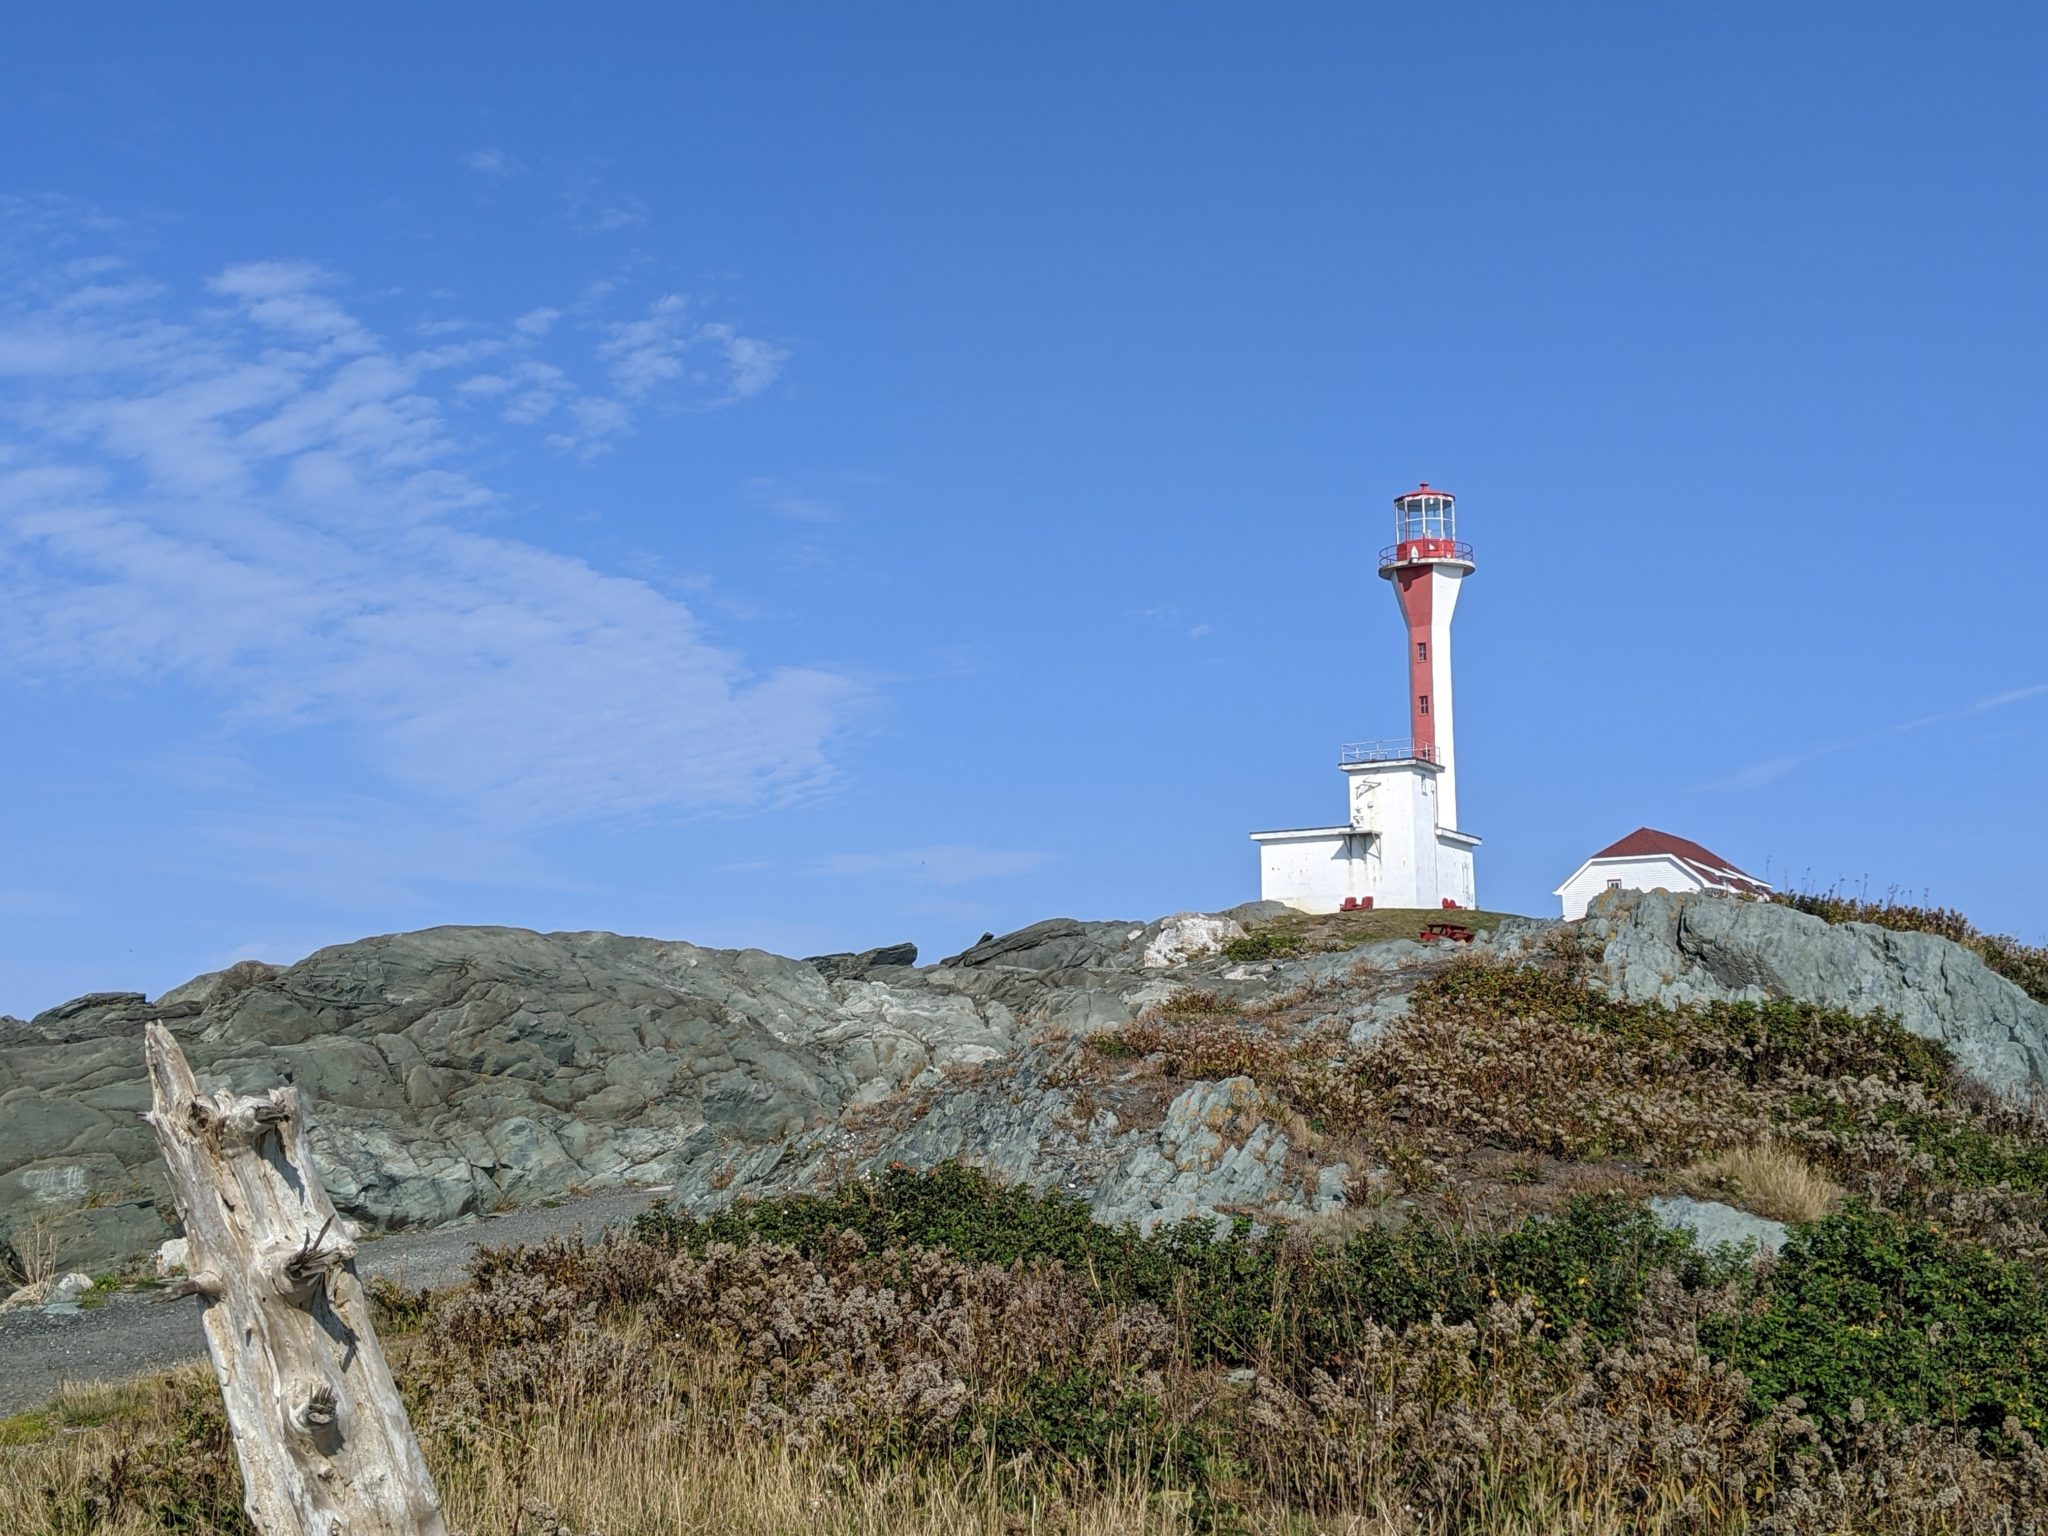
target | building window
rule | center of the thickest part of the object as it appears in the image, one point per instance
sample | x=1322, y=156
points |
x=1422, y=650
x=1423, y=701
x=1614, y=885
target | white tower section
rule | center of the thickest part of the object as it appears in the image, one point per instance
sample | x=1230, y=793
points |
x=1400, y=845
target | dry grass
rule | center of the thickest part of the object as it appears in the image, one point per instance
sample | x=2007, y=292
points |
x=1768, y=1178
x=30, y=1254
x=620, y=1469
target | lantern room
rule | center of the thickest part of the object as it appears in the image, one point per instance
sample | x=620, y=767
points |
x=1425, y=530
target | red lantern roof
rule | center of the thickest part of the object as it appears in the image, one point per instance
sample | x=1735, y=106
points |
x=1424, y=489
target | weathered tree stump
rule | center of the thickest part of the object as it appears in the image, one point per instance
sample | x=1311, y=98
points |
x=325, y=1446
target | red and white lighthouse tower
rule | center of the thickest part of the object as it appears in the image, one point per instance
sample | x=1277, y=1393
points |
x=1427, y=563
x=1400, y=844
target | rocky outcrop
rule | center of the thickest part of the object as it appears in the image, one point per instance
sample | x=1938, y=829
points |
x=455, y=1071
x=851, y=967
x=1691, y=948
x=458, y=1070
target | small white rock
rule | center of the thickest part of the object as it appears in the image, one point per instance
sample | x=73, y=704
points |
x=1188, y=936
x=171, y=1259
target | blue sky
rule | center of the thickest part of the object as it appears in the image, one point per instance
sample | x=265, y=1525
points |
x=814, y=476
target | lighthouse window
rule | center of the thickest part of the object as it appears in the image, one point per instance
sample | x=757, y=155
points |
x=1422, y=650
x=1425, y=703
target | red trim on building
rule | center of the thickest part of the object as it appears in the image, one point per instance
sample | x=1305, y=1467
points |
x=1648, y=842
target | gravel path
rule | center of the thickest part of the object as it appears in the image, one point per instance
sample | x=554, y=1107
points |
x=133, y=1332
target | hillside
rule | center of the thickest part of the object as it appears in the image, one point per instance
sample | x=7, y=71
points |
x=939, y=1252
x=457, y=1071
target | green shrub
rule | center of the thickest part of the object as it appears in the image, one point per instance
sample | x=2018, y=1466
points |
x=1868, y=1308
x=1266, y=944
x=950, y=1206
x=1238, y=1295
x=1753, y=1042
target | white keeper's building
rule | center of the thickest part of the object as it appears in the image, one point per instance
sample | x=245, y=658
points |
x=1649, y=860
x=1400, y=845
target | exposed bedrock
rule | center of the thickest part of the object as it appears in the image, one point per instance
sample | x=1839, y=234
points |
x=457, y=1070
x=1691, y=948
x=454, y=1071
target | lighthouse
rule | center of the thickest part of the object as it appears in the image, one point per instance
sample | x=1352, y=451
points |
x=1401, y=845
x=1427, y=564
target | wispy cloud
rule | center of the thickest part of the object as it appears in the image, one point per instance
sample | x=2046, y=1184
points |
x=258, y=494
x=357, y=853
x=1169, y=616
x=597, y=211
x=23, y=901
x=498, y=164
x=940, y=864
x=1770, y=770
x=771, y=495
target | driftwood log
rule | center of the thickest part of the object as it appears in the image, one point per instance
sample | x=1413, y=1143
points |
x=325, y=1446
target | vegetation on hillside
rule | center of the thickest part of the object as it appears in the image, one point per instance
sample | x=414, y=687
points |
x=1298, y=933
x=937, y=1340
x=1534, y=1059
x=933, y=1351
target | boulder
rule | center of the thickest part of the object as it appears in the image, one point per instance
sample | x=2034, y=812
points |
x=1654, y=945
x=852, y=967
x=1057, y=944
x=62, y=1293
x=1712, y=1224
x=1189, y=936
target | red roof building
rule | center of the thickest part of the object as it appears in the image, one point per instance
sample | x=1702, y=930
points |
x=1649, y=860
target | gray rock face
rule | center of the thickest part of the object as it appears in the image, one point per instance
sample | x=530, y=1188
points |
x=1214, y=1150
x=1692, y=948
x=1711, y=1223
x=457, y=1070
x=851, y=967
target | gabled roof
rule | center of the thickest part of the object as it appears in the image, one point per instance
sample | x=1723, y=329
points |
x=1648, y=842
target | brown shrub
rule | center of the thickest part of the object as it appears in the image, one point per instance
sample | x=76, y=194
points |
x=622, y=1388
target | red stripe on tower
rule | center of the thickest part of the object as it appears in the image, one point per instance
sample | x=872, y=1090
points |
x=1412, y=589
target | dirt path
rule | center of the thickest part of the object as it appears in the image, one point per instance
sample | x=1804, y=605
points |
x=133, y=1332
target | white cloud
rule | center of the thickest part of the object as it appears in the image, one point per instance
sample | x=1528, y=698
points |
x=751, y=364
x=667, y=345
x=1770, y=770
x=593, y=211
x=358, y=853
x=260, y=498
x=536, y=322
x=497, y=164
x=284, y=295
x=798, y=506
x=939, y=864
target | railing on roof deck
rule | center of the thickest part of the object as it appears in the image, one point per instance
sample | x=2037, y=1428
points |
x=1392, y=750
x=1424, y=551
